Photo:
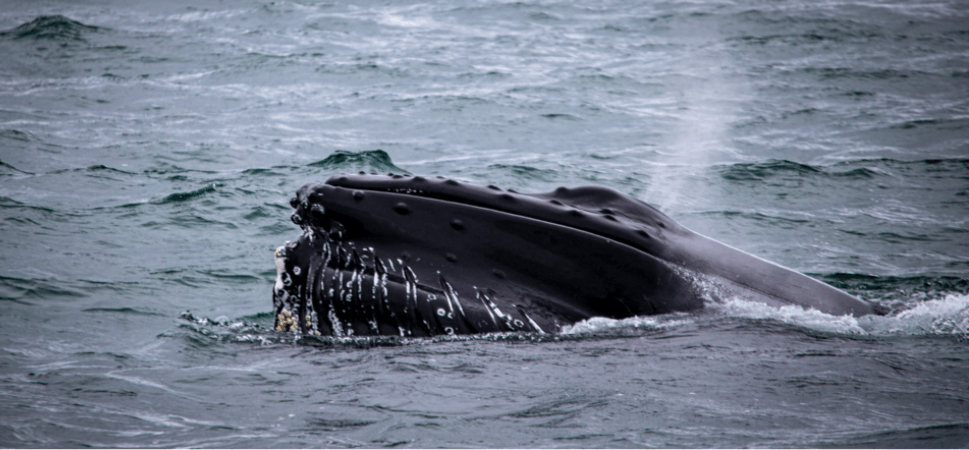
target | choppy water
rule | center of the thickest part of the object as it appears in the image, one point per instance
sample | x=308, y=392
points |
x=147, y=154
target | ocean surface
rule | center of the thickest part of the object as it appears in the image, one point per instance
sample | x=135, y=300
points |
x=148, y=152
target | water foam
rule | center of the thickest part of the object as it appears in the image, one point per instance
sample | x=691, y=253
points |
x=793, y=315
x=945, y=316
x=600, y=324
x=948, y=315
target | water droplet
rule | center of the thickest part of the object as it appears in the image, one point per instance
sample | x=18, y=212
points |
x=402, y=209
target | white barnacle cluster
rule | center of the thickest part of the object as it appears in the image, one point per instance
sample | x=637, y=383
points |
x=286, y=321
x=286, y=295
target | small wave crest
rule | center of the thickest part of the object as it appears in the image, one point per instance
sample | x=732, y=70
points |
x=54, y=27
x=947, y=316
x=179, y=197
x=367, y=161
x=792, y=315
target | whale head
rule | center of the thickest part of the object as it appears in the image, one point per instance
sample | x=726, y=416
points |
x=414, y=256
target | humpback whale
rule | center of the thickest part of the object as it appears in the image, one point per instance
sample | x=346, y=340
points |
x=413, y=256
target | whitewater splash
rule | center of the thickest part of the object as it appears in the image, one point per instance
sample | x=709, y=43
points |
x=599, y=324
x=945, y=316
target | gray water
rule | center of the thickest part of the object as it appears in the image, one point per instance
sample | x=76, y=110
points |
x=148, y=152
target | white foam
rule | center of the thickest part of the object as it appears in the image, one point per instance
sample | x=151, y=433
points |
x=596, y=324
x=945, y=316
x=792, y=314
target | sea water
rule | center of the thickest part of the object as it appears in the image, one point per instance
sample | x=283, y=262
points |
x=148, y=152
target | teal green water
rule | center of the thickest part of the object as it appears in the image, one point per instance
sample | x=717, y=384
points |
x=147, y=155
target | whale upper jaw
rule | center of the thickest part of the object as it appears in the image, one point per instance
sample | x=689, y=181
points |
x=613, y=215
x=550, y=259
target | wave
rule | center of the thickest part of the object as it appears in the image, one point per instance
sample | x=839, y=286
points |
x=5, y=169
x=179, y=197
x=858, y=169
x=948, y=316
x=897, y=292
x=946, y=435
x=56, y=27
x=366, y=161
x=17, y=135
x=526, y=172
x=123, y=311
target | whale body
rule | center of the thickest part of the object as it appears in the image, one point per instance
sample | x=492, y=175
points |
x=414, y=256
